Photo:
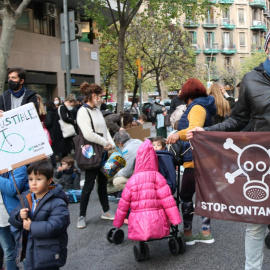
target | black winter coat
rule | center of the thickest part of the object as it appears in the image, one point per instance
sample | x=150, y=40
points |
x=5, y=99
x=253, y=105
x=70, y=179
x=47, y=238
x=176, y=101
x=53, y=126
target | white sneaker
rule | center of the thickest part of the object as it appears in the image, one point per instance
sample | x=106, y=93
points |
x=81, y=223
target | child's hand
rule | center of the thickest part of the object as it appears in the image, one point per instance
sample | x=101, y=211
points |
x=27, y=224
x=24, y=213
x=60, y=169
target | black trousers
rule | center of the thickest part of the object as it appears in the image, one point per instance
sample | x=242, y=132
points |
x=90, y=176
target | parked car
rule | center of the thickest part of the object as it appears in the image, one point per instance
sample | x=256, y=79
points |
x=146, y=109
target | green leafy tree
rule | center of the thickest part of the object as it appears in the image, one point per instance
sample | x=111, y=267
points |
x=251, y=62
x=122, y=14
x=108, y=64
x=9, y=14
x=165, y=50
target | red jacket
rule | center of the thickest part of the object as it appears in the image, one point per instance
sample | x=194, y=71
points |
x=149, y=197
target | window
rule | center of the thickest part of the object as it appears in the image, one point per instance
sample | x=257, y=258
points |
x=226, y=40
x=228, y=61
x=193, y=37
x=23, y=22
x=241, y=16
x=242, y=39
x=207, y=60
x=209, y=39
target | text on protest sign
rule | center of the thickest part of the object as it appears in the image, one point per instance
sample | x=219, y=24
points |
x=22, y=138
x=232, y=172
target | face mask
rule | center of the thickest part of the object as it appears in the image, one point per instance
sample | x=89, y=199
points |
x=13, y=85
x=69, y=108
x=98, y=103
x=56, y=102
x=157, y=100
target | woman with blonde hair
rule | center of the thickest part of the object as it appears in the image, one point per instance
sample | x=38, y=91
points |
x=224, y=103
x=41, y=109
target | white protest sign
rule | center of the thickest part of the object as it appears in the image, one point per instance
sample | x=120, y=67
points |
x=22, y=138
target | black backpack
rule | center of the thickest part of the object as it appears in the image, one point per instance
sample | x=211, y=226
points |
x=177, y=150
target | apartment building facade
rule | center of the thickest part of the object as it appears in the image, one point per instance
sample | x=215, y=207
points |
x=228, y=34
x=36, y=48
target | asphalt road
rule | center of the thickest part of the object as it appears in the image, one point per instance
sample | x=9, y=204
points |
x=89, y=249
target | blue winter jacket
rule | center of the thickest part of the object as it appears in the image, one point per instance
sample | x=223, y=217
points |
x=45, y=244
x=8, y=190
x=208, y=103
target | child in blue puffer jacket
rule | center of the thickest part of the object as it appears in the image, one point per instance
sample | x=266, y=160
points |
x=44, y=221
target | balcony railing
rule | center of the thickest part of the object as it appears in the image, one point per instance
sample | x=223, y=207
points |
x=197, y=48
x=228, y=49
x=258, y=25
x=226, y=23
x=226, y=1
x=211, y=49
x=257, y=48
x=210, y=24
x=191, y=24
x=257, y=3
x=213, y=1
x=265, y=12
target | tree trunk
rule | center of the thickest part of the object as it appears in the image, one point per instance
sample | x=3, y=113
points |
x=120, y=73
x=158, y=83
x=8, y=30
x=136, y=86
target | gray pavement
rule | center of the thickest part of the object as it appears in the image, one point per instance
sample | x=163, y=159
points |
x=89, y=249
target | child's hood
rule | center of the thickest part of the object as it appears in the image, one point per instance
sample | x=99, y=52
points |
x=146, y=159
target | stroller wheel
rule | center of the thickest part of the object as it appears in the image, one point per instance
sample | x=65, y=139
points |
x=182, y=245
x=174, y=246
x=109, y=235
x=267, y=240
x=137, y=252
x=118, y=236
x=144, y=251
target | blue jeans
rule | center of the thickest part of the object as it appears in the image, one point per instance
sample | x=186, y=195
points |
x=8, y=244
x=255, y=234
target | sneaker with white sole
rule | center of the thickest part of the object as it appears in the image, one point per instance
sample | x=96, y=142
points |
x=108, y=215
x=189, y=240
x=207, y=239
x=81, y=223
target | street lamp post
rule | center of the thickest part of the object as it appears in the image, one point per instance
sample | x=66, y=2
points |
x=209, y=64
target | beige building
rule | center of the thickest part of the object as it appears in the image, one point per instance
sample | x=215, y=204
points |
x=36, y=48
x=229, y=34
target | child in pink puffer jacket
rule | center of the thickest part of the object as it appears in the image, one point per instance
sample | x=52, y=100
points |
x=149, y=198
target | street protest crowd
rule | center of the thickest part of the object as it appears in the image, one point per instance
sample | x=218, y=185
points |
x=34, y=214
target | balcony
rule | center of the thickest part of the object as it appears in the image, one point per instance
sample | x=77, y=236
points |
x=228, y=50
x=266, y=12
x=257, y=48
x=197, y=48
x=211, y=49
x=226, y=23
x=226, y=1
x=257, y=4
x=210, y=24
x=213, y=1
x=258, y=25
x=191, y=24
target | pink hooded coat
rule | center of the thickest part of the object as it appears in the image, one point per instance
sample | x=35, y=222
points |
x=149, y=198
